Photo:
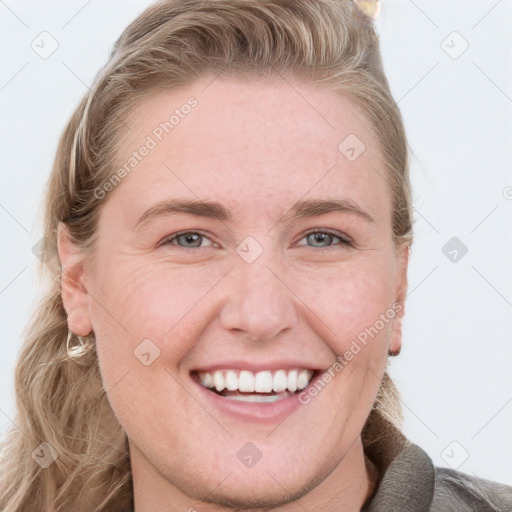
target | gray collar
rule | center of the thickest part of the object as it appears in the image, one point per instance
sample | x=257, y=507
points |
x=408, y=484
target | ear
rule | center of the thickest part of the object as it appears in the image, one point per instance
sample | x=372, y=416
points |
x=395, y=341
x=74, y=294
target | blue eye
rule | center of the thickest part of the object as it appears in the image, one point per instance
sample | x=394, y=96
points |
x=189, y=239
x=316, y=239
x=326, y=237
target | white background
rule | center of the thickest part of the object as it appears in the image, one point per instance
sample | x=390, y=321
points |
x=455, y=369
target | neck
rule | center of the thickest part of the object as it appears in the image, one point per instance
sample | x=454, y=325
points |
x=348, y=487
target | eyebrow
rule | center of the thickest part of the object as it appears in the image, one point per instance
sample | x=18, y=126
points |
x=209, y=209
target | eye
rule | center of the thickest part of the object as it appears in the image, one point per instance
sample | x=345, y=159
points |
x=317, y=239
x=188, y=240
x=321, y=239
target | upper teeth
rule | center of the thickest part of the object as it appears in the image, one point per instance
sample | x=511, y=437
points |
x=259, y=382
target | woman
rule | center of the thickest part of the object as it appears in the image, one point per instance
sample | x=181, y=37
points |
x=232, y=211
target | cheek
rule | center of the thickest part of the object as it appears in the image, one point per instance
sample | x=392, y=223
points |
x=153, y=301
x=170, y=304
x=350, y=302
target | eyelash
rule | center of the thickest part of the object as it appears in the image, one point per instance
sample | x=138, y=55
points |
x=343, y=239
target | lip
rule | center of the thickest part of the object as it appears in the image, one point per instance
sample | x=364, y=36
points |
x=254, y=412
x=256, y=367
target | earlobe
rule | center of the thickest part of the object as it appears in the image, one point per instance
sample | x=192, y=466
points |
x=74, y=293
x=395, y=345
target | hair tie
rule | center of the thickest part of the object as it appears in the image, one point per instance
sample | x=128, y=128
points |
x=370, y=8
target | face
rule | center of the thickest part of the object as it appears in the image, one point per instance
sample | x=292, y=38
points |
x=246, y=250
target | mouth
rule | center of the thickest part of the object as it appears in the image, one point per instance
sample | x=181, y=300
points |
x=267, y=386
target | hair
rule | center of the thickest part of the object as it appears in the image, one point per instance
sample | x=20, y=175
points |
x=61, y=400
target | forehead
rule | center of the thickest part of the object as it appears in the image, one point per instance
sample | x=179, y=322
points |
x=245, y=142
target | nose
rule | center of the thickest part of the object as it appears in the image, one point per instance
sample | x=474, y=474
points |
x=260, y=304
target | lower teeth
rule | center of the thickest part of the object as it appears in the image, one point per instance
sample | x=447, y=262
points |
x=256, y=398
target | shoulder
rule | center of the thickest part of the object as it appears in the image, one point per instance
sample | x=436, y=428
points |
x=455, y=491
x=411, y=482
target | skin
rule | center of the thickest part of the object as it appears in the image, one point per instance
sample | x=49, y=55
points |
x=256, y=148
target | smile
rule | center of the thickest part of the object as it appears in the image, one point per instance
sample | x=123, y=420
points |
x=262, y=386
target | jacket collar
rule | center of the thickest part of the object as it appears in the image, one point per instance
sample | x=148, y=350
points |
x=407, y=484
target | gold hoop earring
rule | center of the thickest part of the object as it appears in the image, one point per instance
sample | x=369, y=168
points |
x=78, y=347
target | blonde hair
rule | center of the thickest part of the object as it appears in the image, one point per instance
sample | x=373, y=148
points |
x=61, y=401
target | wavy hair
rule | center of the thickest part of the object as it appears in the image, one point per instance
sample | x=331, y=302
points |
x=61, y=400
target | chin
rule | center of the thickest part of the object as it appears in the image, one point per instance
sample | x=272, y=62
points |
x=263, y=487
x=268, y=493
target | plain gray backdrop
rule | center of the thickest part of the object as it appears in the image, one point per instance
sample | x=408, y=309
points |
x=449, y=66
